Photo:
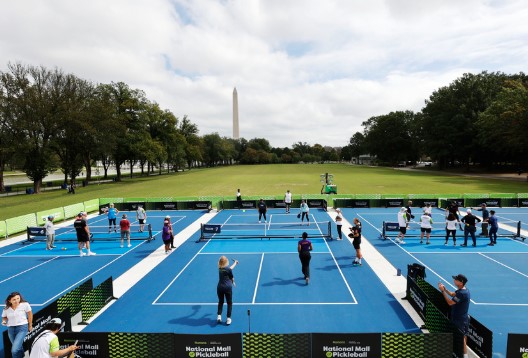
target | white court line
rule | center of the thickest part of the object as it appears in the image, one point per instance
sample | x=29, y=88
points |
x=178, y=275
x=87, y=276
x=258, y=279
x=29, y=269
x=255, y=303
x=500, y=263
x=341, y=273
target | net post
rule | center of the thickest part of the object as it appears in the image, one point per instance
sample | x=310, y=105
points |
x=518, y=233
x=150, y=238
x=383, y=233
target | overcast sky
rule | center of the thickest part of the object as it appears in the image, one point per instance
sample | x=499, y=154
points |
x=305, y=70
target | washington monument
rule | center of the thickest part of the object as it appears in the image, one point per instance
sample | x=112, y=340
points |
x=236, y=131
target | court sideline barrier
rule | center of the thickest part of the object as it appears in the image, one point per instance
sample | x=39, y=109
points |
x=20, y=223
x=430, y=304
x=85, y=298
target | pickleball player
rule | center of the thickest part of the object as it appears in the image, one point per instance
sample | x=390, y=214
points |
x=83, y=234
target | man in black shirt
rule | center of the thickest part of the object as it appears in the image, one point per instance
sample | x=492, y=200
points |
x=470, y=222
x=83, y=234
x=262, y=208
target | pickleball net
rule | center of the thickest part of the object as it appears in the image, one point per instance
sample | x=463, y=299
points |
x=269, y=230
x=98, y=233
x=507, y=228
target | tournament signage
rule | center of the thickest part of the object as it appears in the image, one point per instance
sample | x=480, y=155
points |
x=208, y=346
x=36, y=231
x=353, y=345
x=392, y=203
x=201, y=205
x=165, y=205
x=248, y=204
x=212, y=229
x=90, y=344
x=417, y=298
x=316, y=203
x=517, y=346
x=480, y=339
x=492, y=202
x=360, y=203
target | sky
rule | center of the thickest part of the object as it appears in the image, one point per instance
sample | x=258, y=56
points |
x=305, y=70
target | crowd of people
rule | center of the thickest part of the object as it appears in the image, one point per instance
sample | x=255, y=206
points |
x=454, y=220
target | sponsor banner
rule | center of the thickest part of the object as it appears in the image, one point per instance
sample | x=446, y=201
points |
x=480, y=339
x=201, y=205
x=517, y=345
x=392, y=203
x=417, y=298
x=421, y=203
x=164, y=205
x=36, y=231
x=91, y=344
x=316, y=203
x=248, y=204
x=212, y=229
x=523, y=203
x=208, y=346
x=357, y=203
x=353, y=345
x=491, y=202
x=132, y=206
x=391, y=226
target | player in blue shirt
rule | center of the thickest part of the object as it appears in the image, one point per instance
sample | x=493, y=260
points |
x=112, y=212
x=226, y=281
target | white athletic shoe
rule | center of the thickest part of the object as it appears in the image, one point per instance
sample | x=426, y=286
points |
x=129, y=245
x=82, y=254
x=228, y=322
x=91, y=253
x=219, y=318
x=121, y=245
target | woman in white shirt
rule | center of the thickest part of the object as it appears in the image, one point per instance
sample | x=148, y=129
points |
x=18, y=318
x=451, y=227
x=339, y=224
x=426, y=224
x=305, y=211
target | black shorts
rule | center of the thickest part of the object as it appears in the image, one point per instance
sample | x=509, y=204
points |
x=427, y=230
x=403, y=230
x=141, y=221
x=83, y=238
x=357, y=243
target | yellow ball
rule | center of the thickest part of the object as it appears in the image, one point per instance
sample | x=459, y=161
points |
x=244, y=210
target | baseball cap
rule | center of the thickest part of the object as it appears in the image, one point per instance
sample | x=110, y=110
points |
x=50, y=217
x=403, y=208
x=167, y=217
x=124, y=216
x=56, y=321
x=468, y=211
x=460, y=278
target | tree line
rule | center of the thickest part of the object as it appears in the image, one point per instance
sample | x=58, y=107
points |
x=51, y=120
x=478, y=119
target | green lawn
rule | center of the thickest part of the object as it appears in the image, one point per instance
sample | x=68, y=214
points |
x=265, y=180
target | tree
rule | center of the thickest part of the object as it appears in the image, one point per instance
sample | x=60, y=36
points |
x=390, y=137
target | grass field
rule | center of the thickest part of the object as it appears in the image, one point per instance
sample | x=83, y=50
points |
x=266, y=180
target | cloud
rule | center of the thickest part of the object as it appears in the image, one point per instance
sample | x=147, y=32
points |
x=305, y=70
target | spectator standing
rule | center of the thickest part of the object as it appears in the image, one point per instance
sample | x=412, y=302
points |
x=168, y=218
x=408, y=209
x=494, y=227
x=355, y=235
x=470, y=228
x=50, y=233
x=18, y=318
x=287, y=201
x=459, y=303
x=166, y=235
x=239, y=199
